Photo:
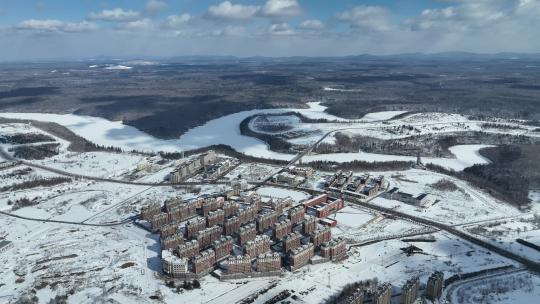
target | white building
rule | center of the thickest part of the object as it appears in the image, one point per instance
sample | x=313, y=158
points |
x=173, y=265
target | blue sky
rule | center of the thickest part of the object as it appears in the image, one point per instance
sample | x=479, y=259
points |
x=74, y=10
x=86, y=28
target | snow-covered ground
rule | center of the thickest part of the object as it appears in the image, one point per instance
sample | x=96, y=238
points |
x=464, y=205
x=505, y=233
x=522, y=287
x=466, y=156
x=384, y=115
x=278, y=193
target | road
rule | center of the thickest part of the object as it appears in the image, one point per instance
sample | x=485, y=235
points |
x=109, y=224
x=531, y=265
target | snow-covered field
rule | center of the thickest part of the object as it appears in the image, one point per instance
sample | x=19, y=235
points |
x=277, y=193
x=464, y=205
x=522, y=287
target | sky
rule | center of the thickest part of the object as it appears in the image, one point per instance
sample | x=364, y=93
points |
x=75, y=29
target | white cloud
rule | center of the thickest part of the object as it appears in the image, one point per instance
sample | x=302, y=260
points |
x=231, y=30
x=138, y=25
x=176, y=21
x=117, y=15
x=312, y=24
x=154, y=6
x=468, y=15
x=280, y=29
x=279, y=8
x=228, y=10
x=373, y=18
x=51, y=25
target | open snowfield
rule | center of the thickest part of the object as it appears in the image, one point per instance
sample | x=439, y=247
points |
x=92, y=263
x=505, y=233
x=522, y=287
x=464, y=205
x=277, y=193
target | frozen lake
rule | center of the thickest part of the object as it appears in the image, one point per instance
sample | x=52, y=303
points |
x=225, y=130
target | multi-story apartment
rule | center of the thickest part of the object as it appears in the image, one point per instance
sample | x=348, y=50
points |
x=215, y=217
x=301, y=255
x=247, y=214
x=173, y=203
x=172, y=265
x=280, y=204
x=334, y=249
x=292, y=241
x=316, y=201
x=260, y=245
x=159, y=220
x=195, y=225
x=207, y=236
x=231, y=225
x=254, y=200
x=435, y=285
x=238, y=264
x=246, y=233
x=223, y=247
x=296, y=214
x=309, y=224
x=172, y=241
x=302, y=171
x=266, y=220
x=331, y=207
x=149, y=212
x=268, y=262
x=187, y=210
x=409, y=291
x=168, y=230
x=321, y=235
x=204, y=261
x=281, y=229
x=230, y=208
x=382, y=294
x=193, y=166
x=210, y=204
x=188, y=250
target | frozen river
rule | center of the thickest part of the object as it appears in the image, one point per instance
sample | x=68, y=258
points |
x=225, y=130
